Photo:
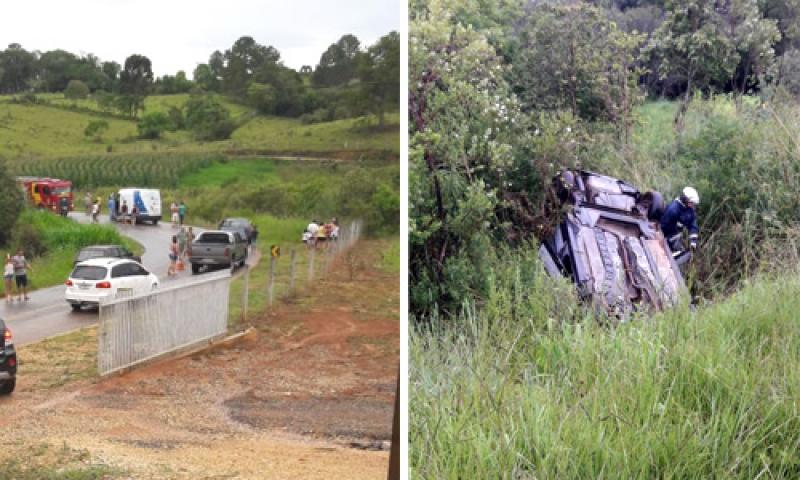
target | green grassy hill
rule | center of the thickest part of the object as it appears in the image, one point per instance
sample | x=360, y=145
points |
x=52, y=130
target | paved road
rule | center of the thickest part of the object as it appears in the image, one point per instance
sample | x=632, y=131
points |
x=47, y=313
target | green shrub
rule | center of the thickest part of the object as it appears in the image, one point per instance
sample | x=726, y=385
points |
x=153, y=124
x=76, y=90
x=208, y=119
x=95, y=129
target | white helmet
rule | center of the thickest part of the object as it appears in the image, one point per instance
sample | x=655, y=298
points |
x=691, y=195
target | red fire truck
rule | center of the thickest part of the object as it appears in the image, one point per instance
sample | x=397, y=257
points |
x=46, y=193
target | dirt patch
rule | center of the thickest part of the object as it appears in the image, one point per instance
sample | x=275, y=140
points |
x=306, y=400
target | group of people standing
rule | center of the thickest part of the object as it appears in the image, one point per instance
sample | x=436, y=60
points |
x=180, y=248
x=121, y=213
x=16, y=272
x=178, y=213
x=317, y=233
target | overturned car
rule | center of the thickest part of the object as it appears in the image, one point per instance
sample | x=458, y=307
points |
x=610, y=244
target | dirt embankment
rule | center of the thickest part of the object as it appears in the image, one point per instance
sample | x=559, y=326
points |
x=311, y=398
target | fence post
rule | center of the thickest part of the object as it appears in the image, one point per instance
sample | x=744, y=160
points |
x=271, y=279
x=310, y=278
x=245, y=291
x=292, y=266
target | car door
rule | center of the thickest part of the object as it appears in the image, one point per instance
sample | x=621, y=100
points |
x=121, y=280
x=140, y=278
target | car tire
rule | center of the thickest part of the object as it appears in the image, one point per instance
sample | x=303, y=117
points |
x=195, y=269
x=155, y=222
x=7, y=388
x=76, y=307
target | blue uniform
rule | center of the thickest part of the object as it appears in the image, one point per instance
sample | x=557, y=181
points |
x=676, y=217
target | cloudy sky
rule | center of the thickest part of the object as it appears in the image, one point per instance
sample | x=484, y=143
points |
x=179, y=34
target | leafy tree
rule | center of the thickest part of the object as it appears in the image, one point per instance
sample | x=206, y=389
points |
x=53, y=70
x=466, y=144
x=153, y=124
x=135, y=81
x=76, y=90
x=575, y=58
x=111, y=70
x=690, y=44
x=18, y=67
x=207, y=118
x=12, y=203
x=242, y=61
x=169, y=84
x=205, y=79
x=277, y=90
x=379, y=75
x=337, y=65
x=96, y=129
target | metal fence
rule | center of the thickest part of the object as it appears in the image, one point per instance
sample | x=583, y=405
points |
x=136, y=329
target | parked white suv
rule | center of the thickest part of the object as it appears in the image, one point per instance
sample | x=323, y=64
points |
x=101, y=279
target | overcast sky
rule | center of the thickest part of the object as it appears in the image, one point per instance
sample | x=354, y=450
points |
x=179, y=34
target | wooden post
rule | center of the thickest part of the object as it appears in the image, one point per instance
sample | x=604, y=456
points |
x=394, y=454
x=310, y=278
x=245, y=291
x=292, y=266
x=272, y=261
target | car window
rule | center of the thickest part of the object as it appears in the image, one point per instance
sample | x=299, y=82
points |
x=206, y=237
x=89, y=272
x=137, y=269
x=88, y=253
x=121, y=270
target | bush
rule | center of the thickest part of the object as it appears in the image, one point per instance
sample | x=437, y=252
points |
x=95, y=129
x=12, y=203
x=28, y=238
x=153, y=124
x=176, y=119
x=76, y=90
x=208, y=119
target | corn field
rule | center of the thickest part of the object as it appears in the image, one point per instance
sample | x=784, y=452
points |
x=101, y=170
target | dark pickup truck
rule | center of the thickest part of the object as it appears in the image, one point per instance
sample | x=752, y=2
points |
x=610, y=244
x=218, y=249
x=8, y=360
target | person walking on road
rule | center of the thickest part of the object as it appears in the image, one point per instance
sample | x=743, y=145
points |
x=21, y=267
x=189, y=240
x=8, y=278
x=182, y=242
x=134, y=214
x=173, y=257
x=182, y=212
x=112, y=208
x=174, y=211
x=95, y=211
x=87, y=202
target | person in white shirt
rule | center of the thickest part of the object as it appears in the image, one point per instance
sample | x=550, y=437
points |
x=8, y=277
x=312, y=229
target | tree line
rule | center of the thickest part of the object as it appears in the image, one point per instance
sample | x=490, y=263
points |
x=349, y=80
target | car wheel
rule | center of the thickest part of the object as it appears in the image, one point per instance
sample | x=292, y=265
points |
x=76, y=307
x=8, y=387
x=195, y=268
x=155, y=222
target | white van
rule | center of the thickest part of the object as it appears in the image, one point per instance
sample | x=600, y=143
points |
x=147, y=200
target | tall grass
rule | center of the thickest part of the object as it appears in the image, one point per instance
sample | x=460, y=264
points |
x=529, y=386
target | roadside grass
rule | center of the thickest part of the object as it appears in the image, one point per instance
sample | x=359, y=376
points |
x=532, y=386
x=390, y=257
x=59, y=360
x=49, y=462
x=61, y=239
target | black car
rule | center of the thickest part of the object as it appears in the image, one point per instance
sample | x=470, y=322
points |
x=8, y=360
x=245, y=227
x=609, y=243
x=104, y=251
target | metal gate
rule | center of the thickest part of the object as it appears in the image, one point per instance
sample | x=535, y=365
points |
x=136, y=329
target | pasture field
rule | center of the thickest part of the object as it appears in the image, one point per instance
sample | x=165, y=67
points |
x=34, y=131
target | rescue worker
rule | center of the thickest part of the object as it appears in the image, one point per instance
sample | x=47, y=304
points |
x=680, y=214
